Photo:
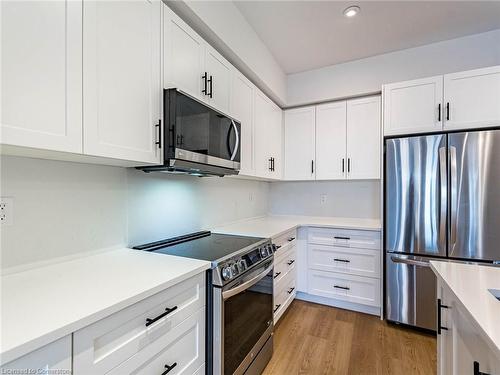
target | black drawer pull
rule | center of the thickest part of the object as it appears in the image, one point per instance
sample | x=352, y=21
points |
x=291, y=239
x=476, y=369
x=278, y=247
x=341, y=260
x=167, y=311
x=292, y=261
x=290, y=291
x=439, y=307
x=342, y=287
x=277, y=274
x=276, y=308
x=342, y=238
x=168, y=368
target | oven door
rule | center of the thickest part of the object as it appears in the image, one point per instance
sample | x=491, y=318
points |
x=245, y=322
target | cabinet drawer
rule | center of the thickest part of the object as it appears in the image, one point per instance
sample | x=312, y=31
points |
x=285, y=263
x=360, y=262
x=111, y=341
x=183, y=348
x=282, y=240
x=284, y=280
x=286, y=292
x=362, y=239
x=356, y=289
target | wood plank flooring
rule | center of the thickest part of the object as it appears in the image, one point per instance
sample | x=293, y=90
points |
x=317, y=339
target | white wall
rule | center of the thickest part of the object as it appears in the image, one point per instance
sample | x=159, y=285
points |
x=367, y=75
x=223, y=25
x=360, y=199
x=66, y=209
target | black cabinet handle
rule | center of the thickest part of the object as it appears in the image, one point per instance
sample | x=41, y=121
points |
x=204, y=77
x=439, y=112
x=439, y=307
x=278, y=247
x=167, y=311
x=158, y=142
x=342, y=287
x=210, y=81
x=348, y=165
x=276, y=275
x=341, y=260
x=291, y=239
x=276, y=308
x=312, y=166
x=169, y=368
x=448, y=111
x=343, y=162
x=290, y=291
x=476, y=369
x=341, y=238
x=272, y=163
x=292, y=261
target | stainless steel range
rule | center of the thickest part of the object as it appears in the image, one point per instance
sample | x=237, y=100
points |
x=239, y=298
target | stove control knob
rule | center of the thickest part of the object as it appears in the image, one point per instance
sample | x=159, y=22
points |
x=263, y=252
x=226, y=273
x=270, y=249
x=242, y=265
x=234, y=269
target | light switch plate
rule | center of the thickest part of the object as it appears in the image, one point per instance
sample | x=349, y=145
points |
x=6, y=210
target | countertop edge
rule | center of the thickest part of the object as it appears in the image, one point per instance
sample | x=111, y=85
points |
x=17, y=352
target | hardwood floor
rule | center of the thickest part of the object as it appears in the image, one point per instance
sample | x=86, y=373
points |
x=317, y=339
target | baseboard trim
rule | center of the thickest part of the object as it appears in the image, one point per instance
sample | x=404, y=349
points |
x=372, y=310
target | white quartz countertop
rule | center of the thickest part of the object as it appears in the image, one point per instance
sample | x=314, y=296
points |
x=273, y=226
x=470, y=283
x=44, y=304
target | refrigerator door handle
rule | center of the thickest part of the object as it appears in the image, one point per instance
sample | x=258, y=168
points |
x=409, y=261
x=443, y=197
x=453, y=193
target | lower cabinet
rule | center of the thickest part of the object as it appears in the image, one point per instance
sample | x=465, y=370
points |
x=461, y=349
x=54, y=358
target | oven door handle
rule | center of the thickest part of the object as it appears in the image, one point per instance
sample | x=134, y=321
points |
x=247, y=284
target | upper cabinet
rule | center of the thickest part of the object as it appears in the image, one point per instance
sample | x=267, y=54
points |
x=218, y=81
x=472, y=98
x=463, y=100
x=300, y=144
x=363, y=138
x=413, y=106
x=334, y=141
x=241, y=107
x=122, y=90
x=42, y=75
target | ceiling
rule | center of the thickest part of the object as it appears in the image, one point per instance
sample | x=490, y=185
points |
x=304, y=35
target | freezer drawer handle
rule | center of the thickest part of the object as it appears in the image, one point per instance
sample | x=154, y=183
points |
x=169, y=368
x=342, y=287
x=341, y=260
x=476, y=369
x=439, y=307
x=167, y=311
x=410, y=262
x=341, y=238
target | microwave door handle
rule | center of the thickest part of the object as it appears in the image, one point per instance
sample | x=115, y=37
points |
x=247, y=284
x=237, y=143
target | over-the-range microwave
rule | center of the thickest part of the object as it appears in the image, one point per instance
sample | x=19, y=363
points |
x=197, y=139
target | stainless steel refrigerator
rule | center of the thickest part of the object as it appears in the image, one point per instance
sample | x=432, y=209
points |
x=442, y=200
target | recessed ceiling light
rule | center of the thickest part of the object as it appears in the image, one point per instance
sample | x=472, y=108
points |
x=351, y=11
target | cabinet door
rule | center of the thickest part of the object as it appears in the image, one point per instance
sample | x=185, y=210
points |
x=55, y=356
x=276, y=141
x=42, y=74
x=242, y=109
x=473, y=98
x=300, y=143
x=122, y=79
x=413, y=106
x=262, y=134
x=219, y=80
x=363, y=138
x=331, y=141
x=184, y=56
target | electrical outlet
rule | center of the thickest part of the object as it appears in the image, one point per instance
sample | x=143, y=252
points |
x=322, y=198
x=6, y=211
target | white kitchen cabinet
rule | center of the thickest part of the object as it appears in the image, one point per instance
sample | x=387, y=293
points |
x=42, y=74
x=219, y=80
x=184, y=56
x=276, y=138
x=472, y=99
x=300, y=133
x=50, y=358
x=122, y=90
x=413, y=106
x=459, y=342
x=241, y=108
x=331, y=133
x=363, y=138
